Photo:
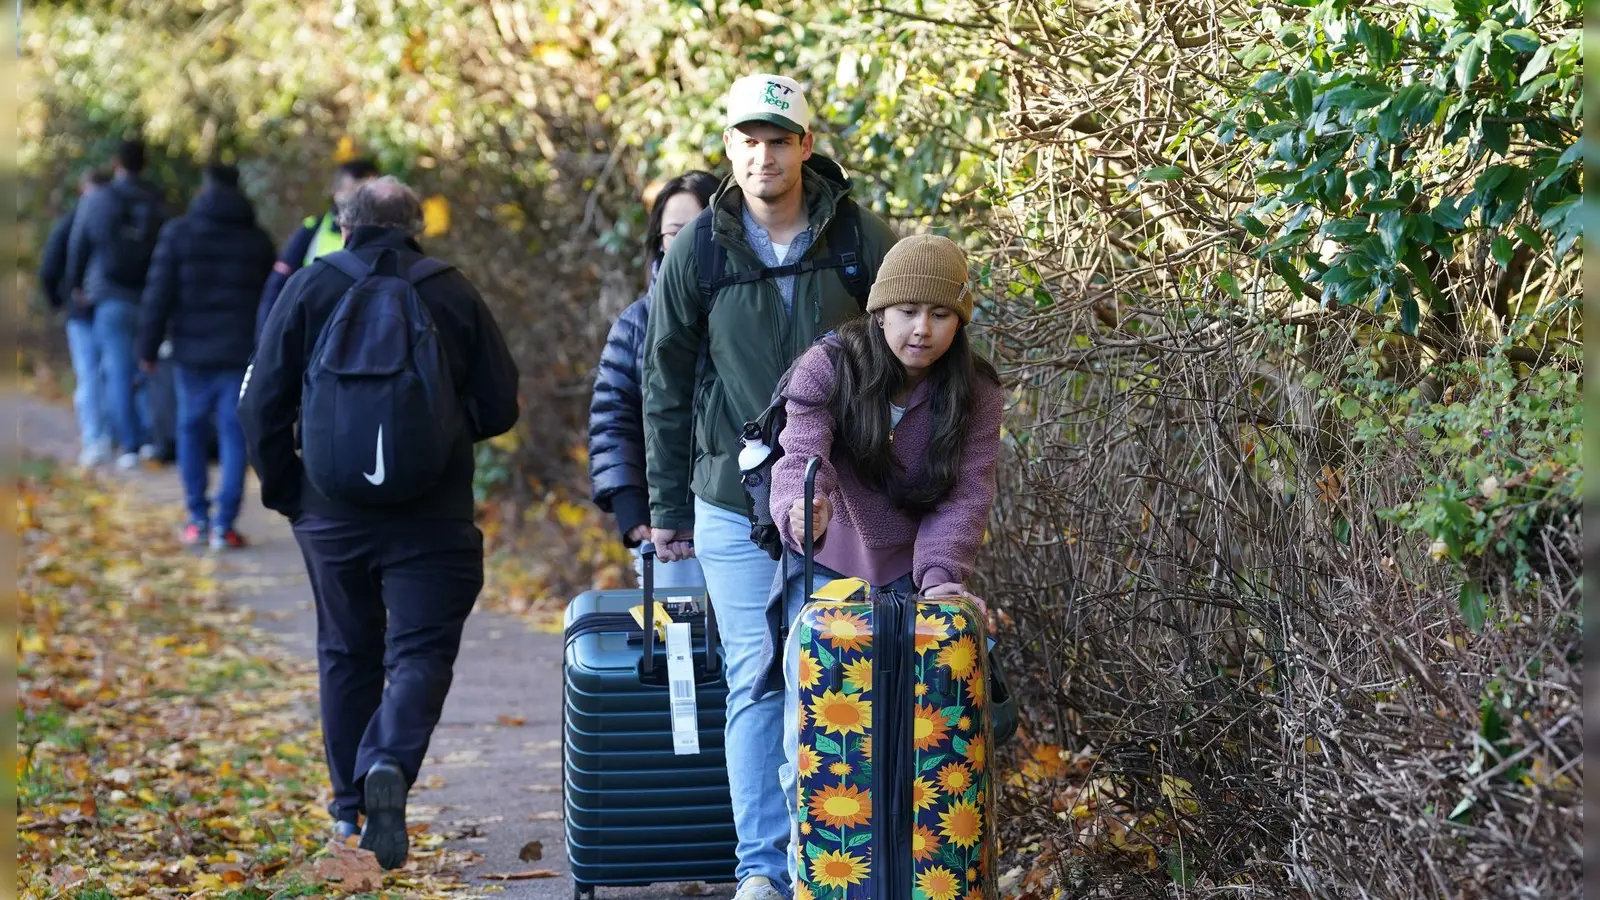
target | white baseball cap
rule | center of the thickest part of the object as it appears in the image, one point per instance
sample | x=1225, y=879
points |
x=775, y=99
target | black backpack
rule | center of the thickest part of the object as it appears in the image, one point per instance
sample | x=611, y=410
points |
x=133, y=235
x=760, y=435
x=379, y=418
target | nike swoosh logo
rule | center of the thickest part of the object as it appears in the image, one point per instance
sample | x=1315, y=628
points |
x=375, y=478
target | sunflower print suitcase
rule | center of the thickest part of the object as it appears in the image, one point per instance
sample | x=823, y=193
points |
x=895, y=789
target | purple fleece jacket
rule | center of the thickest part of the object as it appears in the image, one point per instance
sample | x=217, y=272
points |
x=868, y=537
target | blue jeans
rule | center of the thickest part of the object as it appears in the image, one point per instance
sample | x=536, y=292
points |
x=116, y=322
x=202, y=395
x=739, y=581
x=88, y=397
x=685, y=573
x=787, y=778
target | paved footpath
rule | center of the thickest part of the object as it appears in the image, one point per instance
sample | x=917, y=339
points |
x=496, y=784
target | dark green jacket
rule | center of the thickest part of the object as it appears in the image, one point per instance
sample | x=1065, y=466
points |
x=692, y=423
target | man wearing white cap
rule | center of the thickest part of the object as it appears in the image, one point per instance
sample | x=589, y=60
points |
x=781, y=256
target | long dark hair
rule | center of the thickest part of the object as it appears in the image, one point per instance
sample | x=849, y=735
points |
x=701, y=184
x=866, y=375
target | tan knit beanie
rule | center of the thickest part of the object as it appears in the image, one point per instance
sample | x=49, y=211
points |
x=923, y=268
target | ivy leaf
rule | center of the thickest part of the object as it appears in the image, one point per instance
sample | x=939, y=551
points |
x=1473, y=608
x=1300, y=94
x=1253, y=225
x=1327, y=158
x=1502, y=251
x=1410, y=314
x=1161, y=173
x=1537, y=64
x=1290, y=277
x=1392, y=229
x=1527, y=235
x=1256, y=55
x=1496, y=135
x=1468, y=63
x=1451, y=213
x=1268, y=82
x=1341, y=529
x=1229, y=284
x=1522, y=40
x=1279, y=178
x=1424, y=279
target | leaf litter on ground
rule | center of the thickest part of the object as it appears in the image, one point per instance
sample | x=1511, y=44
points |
x=165, y=747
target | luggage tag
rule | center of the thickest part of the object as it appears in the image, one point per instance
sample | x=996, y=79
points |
x=680, y=675
x=840, y=590
x=662, y=619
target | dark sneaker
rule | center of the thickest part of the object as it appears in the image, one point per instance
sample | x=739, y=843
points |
x=193, y=535
x=343, y=831
x=384, y=792
x=226, y=539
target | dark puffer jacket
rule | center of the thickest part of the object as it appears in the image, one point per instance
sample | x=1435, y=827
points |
x=205, y=282
x=616, y=422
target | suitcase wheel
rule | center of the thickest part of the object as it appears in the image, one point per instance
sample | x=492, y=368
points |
x=582, y=892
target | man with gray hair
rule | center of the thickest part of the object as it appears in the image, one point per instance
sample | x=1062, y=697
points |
x=386, y=527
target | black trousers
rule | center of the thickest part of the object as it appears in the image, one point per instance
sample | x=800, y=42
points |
x=392, y=598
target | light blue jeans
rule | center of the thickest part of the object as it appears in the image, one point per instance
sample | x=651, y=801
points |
x=739, y=578
x=88, y=396
x=788, y=781
x=116, y=323
x=685, y=573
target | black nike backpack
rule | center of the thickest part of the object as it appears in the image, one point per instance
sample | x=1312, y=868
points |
x=379, y=416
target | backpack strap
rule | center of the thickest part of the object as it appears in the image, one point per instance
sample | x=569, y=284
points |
x=347, y=262
x=853, y=272
x=426, y=268
x=352, y=265
x=712, y=258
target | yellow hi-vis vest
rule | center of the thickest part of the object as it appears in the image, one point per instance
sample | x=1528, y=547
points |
x=326, y=240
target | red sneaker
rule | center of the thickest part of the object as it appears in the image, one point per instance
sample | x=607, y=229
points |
x=193, y=535
x=226, y=539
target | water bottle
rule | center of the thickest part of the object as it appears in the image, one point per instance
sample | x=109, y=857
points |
x=755, y=452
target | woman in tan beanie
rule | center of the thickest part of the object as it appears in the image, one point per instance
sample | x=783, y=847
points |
x=906, y=418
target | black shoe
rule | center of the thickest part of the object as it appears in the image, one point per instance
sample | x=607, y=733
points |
x=343, y=831
x=385, y=798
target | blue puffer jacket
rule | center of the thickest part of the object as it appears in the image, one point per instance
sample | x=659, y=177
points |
x=205, y=282
x=616, y=422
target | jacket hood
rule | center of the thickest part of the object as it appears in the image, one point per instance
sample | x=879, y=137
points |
x=224, y=204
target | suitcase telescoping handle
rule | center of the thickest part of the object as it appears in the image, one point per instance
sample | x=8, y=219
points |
x=647, y=665
x=810, y=546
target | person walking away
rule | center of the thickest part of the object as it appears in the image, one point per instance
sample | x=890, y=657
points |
x=88, y=395
x=202, y=288
x=616, y=409
x=905, y=417
x=316, y=237
x=790, y=255
x=392, y=367
x=108, y=256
